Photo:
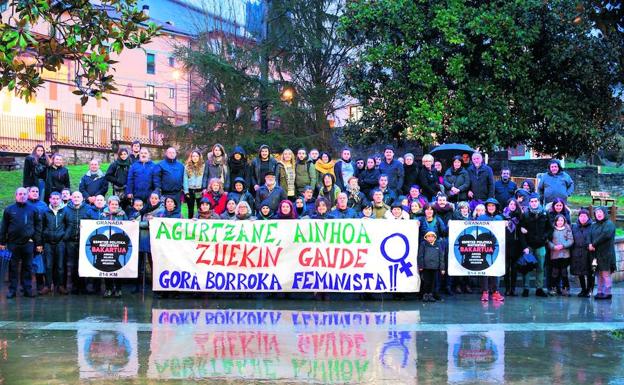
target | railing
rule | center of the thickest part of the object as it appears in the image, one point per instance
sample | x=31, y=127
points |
x=19, y=134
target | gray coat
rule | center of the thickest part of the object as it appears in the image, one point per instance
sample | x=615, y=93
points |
x=602, y=237
x=580, y=262
x=431, y=256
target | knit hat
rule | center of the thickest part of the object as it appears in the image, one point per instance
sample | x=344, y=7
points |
x=431, y=233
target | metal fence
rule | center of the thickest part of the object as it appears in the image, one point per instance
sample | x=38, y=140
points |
x=20, y=134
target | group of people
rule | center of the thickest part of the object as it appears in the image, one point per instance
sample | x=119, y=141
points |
x=309, y=184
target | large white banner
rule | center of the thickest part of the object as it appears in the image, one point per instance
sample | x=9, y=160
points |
x=476, y=248
x=109, y=249
x=290, y=256
x=280, y=345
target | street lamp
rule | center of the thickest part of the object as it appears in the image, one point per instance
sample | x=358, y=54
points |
x=288, y=94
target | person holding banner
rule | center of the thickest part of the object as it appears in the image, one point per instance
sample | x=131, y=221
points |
x=489, y=284
x=171, y=209
x=204, y=211
x=20, y=233
x=286, y=210
x=113, y=213
x=265, y=213
x=536, y=228
x=153, y=208
x=321, y=207
x=243, y=212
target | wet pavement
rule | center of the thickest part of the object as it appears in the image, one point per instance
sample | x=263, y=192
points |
x=86, y=339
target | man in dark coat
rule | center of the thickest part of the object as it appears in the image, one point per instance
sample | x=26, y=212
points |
x=262, y=165
x=410, y=171
x=141, y=177
x=505, y=188
x=537, y=229
x=94, y=182
x=270, y=193
x=75, y=211
x=53, y=232
x=393, y=169
x=169, y=177
x=20, y=233
x=481, y=179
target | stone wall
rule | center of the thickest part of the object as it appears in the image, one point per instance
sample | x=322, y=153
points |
x=586, y=179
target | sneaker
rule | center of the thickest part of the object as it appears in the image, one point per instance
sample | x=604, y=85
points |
x=44, y=291
x=540, y=293
x=497, y=297
x=582, y=294
x=118, y=293
x=552, y=292
x=108, y=293
x=525, y=292
x=599, y=296
x=485, y=296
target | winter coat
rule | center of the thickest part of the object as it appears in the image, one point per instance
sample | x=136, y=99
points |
x=56, y=179
x=481, y=182
x=170, y=177
x=169, y=214
x=40, y=206
x=389, y=196
x=219, y=171
x=444, y=213
x=53, y=225
x=431, y=257
x=580, y=260
x=244, y=196
x=73, y=216
x=257, y=178
x=458, y=179
x=34, y=170
x=379, y=212
x=602, y=237
x=410, y=178
x=436, y=225
x=271, y=198
x=144, y=235
x=504, y=191
x=305, y=175
x=93, y=184
x=117, y=174
x=342, y=179
x=217, y=202
x=330, y=195
x=118, y=216
x=515, y=243
x=21, y=223
x=394, y=171
x=538, y=228
x=429, y=184
x=368, y=180
x=558, y=185
x=561, y=237
x=141, y=179
x=228, y=216
x=282, y=177
x=239, y=168
x=347, y=213
x=356, y=200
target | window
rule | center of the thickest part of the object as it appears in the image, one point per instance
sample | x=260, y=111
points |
x=115, y=129
x=4, y=5
x=151, y=63
x=171, y=61
x=51, y=124
x=88, y=128
x=355, y=113
x=150, y=93
x=171, y=93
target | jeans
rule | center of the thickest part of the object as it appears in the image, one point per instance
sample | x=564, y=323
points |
x=55, y=263
x=24, y=254
x=539, y=253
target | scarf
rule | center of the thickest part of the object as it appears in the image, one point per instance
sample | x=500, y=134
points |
x=237, y=167
x=325, y=168
x=513, y=219
x=123, y=163
x=354, y=194
x=442, y=210
x=98, y=174
x=204, y=214
x=536, y=211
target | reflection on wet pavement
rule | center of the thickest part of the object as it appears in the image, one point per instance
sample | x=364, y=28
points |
x=75, y=340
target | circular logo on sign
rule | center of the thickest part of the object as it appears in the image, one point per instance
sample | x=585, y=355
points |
x=108, y=248
x=476, y=248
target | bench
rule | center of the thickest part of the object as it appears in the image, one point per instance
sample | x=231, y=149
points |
x=602, y=197
x=7, y=163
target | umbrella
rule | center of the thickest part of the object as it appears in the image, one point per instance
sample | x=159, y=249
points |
x=448, y=150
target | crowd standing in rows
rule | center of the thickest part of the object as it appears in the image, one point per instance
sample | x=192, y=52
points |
x=309, y=184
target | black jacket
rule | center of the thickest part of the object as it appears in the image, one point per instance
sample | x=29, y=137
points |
x=481, y=182
x=56, y=180
x=20, y=223
x=117, y=174
x=429, y=182
x=33, y=170
x=368, y=180
x=431, y=256
x=93, y=185
x=458, y=179
x=538, y=228
x=412, y=174
x=53, y=226
x=72, y=220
